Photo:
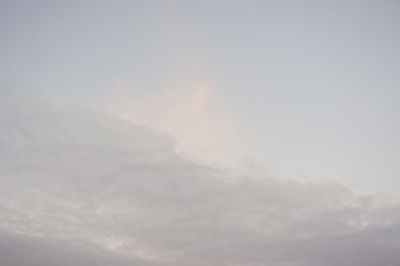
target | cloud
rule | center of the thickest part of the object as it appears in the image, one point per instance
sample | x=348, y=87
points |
x=21, y=250
x=72, y=179
x=191, y=112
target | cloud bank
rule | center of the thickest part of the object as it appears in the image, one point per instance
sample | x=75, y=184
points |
x=190, y=112
x=81, y=188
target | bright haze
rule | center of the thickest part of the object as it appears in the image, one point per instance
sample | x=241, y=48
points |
x=199, y=133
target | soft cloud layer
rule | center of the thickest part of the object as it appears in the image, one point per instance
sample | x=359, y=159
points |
x=76, y=182
x=191, y=112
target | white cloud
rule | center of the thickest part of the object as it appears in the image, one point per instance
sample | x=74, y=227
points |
x=190, y=112
x=89, y=181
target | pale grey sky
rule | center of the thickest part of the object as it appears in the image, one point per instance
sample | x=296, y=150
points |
x=308, y=89
x=246, y=122
x=80, y=188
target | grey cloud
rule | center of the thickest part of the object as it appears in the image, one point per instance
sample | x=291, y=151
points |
x=18, y=250
x=86, y=179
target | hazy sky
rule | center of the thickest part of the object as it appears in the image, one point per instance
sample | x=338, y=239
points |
x=79, y=188
x=307, y=89
x=199, y=133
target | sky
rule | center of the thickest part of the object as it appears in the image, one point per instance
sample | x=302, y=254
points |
x=176, y=132
x=306, y=89
x=81, y=188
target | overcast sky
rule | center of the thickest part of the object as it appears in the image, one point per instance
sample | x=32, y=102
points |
x=243, y=125
x=307, y=89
